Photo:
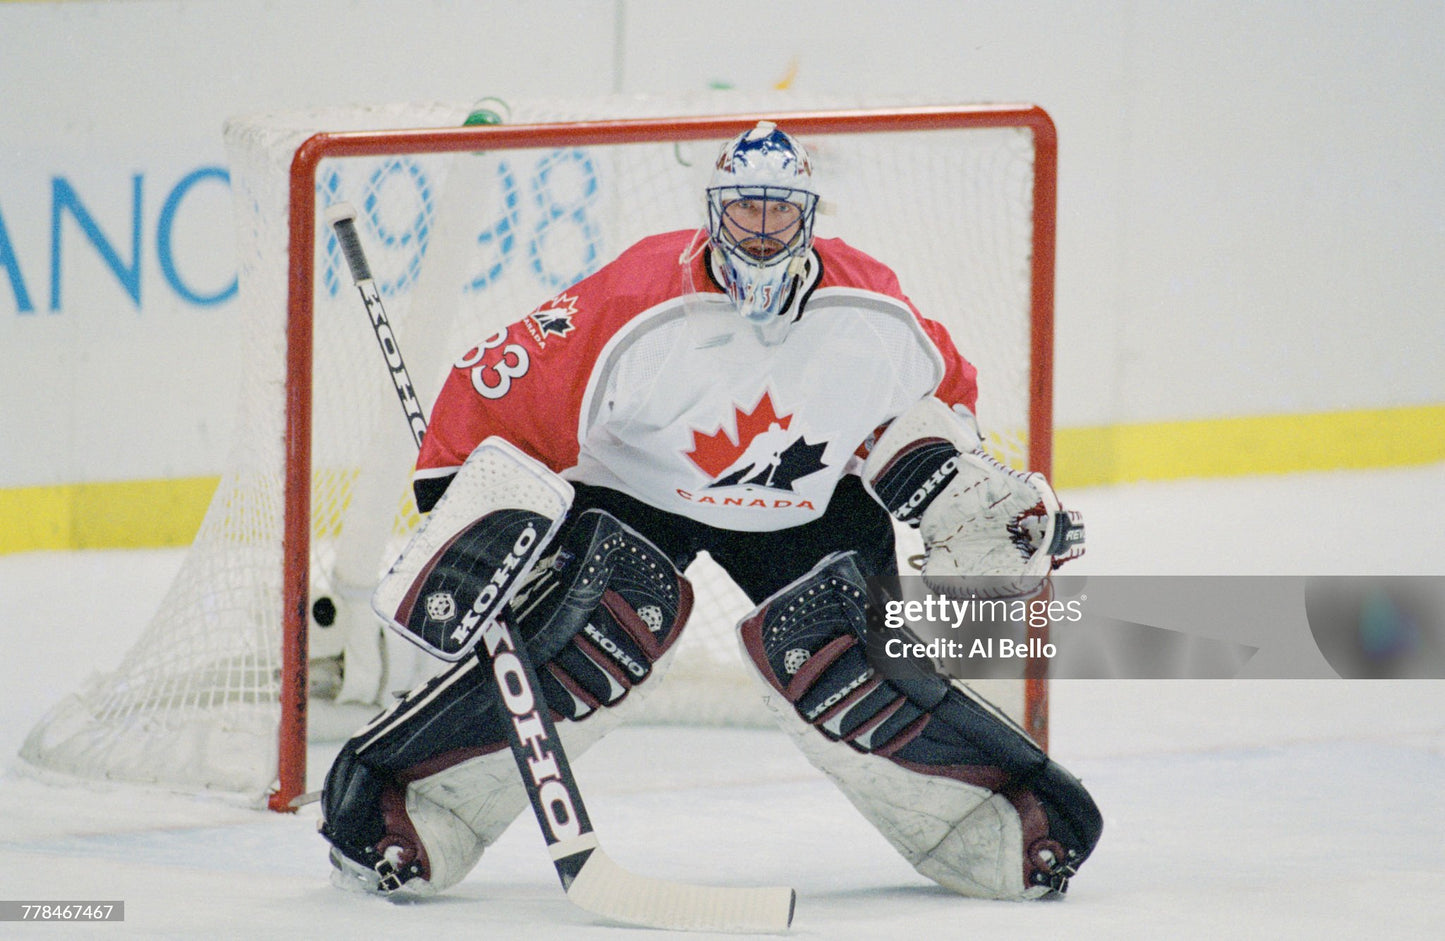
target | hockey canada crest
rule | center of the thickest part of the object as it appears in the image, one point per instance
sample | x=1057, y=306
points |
x=764, y=450
x=552, y=319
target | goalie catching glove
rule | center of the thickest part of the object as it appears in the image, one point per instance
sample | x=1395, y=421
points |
x=987, y=529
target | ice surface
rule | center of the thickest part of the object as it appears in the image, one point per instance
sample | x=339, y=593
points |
x=1245, y=808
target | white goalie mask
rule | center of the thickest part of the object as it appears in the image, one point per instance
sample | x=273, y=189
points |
x=760, y=208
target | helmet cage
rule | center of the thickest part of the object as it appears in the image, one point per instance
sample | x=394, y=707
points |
x=760, y=244
x=760, y=209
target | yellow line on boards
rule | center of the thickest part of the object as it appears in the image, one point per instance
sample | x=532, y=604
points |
x=152, y=513
x=1234, y=447
x=124, y=515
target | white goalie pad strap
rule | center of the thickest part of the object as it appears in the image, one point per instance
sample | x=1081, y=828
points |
x=473, y=550
x=987, y=529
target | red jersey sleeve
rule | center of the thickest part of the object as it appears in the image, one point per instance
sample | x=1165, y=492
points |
x=524, y=383
x=528, y=382
x=960, y=378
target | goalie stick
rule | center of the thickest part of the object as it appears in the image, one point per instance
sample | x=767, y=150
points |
x=591, y=879
x=342, y=218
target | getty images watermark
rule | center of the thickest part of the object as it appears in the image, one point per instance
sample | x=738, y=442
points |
x=1160, y=627
x=962, y=616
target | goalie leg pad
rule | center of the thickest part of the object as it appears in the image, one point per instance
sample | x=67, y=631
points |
x=380, y=810
x=391, y=835
x=606, y=607
x=414, y=798
x=961, y=793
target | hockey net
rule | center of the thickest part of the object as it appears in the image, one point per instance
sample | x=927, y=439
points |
x=266, y=630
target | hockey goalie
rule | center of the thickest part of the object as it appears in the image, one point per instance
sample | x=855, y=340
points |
x=776, y=401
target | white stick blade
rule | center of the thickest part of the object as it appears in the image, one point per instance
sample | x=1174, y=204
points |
x=605, y=888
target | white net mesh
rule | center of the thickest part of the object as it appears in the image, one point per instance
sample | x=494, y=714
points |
x=459, y=246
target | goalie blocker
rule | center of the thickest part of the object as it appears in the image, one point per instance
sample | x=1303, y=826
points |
x=416, y=796
x=963, y=794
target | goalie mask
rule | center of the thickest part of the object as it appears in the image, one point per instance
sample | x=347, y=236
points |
x=760, y=208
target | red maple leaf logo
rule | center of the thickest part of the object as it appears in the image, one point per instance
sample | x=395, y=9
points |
x=552, y=319
x=716, y=452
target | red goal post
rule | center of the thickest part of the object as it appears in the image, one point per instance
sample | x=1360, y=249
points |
x=296, y=550
x=266, y=628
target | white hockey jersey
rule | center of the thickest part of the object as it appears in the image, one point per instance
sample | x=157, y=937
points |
x=642, y=378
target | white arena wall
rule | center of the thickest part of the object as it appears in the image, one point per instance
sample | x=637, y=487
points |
x=1251, y=226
